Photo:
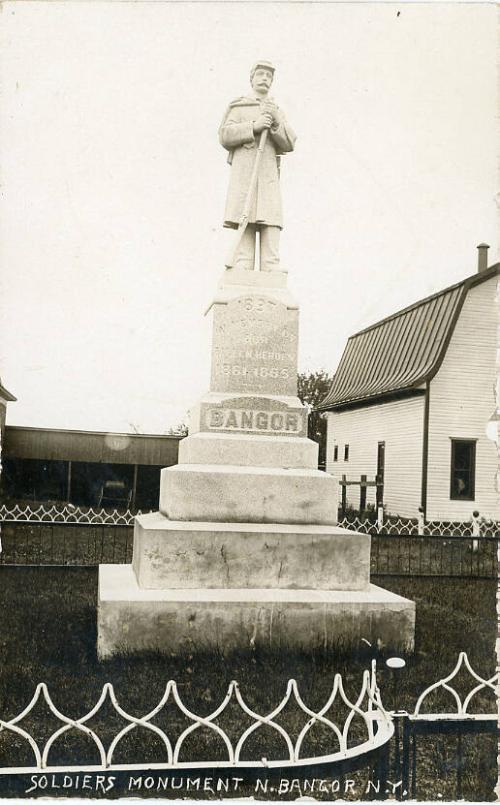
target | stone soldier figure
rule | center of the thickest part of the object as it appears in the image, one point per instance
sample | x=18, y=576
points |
x=240, y=132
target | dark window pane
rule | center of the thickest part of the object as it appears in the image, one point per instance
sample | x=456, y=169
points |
x=463, y=459
x=86, y=480
x=346, y=452
x=148, y=488
x=34, y=480
x=106, y=485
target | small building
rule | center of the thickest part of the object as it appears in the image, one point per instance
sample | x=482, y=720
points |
x=5, y=397
x=411, y=402
x=112, y=470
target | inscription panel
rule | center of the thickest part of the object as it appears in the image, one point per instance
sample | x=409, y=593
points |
x=254, y=347
x=254, y=415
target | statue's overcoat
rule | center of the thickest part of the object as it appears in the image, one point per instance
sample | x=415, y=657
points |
x=236, y=135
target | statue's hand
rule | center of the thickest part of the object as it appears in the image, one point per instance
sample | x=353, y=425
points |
x=269, y=107
x=264, y=121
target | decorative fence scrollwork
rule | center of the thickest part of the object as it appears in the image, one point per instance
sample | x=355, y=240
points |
x=398, y=526
x=462, y=711
x=367, y=706
x=427, y=720
x=68, y=535
x=374, y=743
x=66, y=514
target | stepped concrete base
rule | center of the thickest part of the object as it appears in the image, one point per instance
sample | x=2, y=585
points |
x=176, y=555
x=215, y=492
x=249, y=451
x=132, y=619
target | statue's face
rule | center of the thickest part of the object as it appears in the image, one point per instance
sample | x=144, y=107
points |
x=262, y=80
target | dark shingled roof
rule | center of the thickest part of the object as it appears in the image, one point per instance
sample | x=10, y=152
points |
x=401, y=352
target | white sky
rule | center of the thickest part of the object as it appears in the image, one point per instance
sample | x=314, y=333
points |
x=114, y=184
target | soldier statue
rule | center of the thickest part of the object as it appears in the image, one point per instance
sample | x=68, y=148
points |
x=255, y=133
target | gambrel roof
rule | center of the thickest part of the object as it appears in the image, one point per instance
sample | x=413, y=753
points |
x=397, y=355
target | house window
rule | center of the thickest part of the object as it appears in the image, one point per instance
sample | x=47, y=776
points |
x=463, y=469
x=336, y=453
x=346, y=452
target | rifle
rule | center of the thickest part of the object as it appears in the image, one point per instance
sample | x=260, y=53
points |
x=248, y=199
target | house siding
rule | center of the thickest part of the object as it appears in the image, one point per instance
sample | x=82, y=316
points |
x=400, y=425
x=462, y=399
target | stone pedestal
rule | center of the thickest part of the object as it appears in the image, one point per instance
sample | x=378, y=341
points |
x=132, y=618
x=245, y=549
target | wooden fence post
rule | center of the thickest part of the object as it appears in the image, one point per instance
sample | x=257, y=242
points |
x=362, y=494
x=380, y=517
x=344, y=495
x=379, y=491
x=476, y=530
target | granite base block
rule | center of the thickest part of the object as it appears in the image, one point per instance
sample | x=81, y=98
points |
x=176, y=555
x=219, y=493
x=249, y=451
x=132, y=619
x=235, y=283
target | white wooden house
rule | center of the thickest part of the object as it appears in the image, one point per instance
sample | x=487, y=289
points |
x=411, y=401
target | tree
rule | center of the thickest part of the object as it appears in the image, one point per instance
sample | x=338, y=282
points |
x=312, y=388
x=180, y=430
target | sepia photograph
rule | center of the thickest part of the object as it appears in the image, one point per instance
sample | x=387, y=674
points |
x=249, y=400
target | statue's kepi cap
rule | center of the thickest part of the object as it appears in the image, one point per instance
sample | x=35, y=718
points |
x=262, y=63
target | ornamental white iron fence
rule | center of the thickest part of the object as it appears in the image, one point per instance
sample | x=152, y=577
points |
x=393, y=526
x=378, y=730
x=402, y=526
x=462, y=702
x=426, y=720
x=69, y=535
x=66, y=513
x=368, y=736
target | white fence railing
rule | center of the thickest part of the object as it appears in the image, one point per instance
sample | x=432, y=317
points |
x=462, y=701
x=66, y=513
x=468, y=715
x=476, y=527
x=374, y=730
x=70, y=514
x=378, y=729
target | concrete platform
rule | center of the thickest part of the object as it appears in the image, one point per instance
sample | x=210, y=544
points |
x=175, y=555
x=132, y=619
x=222, y=493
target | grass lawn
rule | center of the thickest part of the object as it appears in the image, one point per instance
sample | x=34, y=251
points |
x=49, y=634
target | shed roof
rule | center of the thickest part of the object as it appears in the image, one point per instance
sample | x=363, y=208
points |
x=51, y=444
x=401, y=352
